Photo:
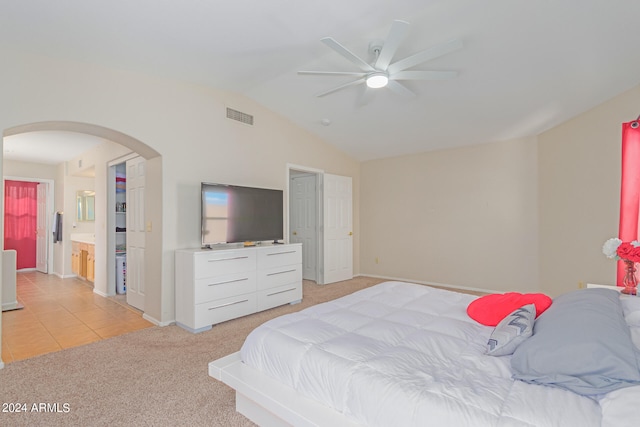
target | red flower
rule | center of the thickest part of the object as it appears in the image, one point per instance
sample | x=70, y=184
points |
x=627, y=251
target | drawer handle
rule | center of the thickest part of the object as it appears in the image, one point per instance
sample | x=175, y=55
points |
x=281, y=272
x=282, y=253
x=227, y=259
x=228, y=304
x=281, y=292
x=228, y=281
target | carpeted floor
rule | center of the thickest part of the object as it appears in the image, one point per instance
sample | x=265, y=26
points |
x=153, y=377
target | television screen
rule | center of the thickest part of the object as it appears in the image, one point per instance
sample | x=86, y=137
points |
x=239, y=214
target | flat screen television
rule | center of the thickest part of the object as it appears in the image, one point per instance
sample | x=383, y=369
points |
x=232, y=213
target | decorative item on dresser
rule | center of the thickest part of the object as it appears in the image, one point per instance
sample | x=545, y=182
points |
x=215, y=285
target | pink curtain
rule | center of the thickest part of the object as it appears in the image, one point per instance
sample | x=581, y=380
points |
x=20, y=220
x=630, y=188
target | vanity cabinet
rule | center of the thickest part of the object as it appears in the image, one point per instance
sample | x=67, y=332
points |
x=91, y=264
x=75, y=258
x=83, y=260
x=215, y=285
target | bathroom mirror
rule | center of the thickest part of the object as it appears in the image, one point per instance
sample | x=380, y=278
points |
x=85, y=204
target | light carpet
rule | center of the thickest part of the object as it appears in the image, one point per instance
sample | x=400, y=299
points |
x=152, y=377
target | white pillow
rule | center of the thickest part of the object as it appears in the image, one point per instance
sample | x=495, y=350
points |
x=512, y=331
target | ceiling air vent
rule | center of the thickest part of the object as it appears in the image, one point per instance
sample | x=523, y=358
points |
x=239, y=116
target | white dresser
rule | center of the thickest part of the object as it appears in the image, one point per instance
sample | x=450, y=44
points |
x=215, y=285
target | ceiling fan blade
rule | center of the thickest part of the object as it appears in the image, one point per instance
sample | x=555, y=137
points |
x=398, y=32
x=400, y=89
x=332, y=73
x=423, y=75
x=337, y=88
x=347, y=54
x=424, y=56
x=365, y=96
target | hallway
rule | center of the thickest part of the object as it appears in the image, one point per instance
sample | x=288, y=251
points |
x=62, y=313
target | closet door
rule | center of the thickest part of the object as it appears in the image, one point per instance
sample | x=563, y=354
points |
x=338, y=228
x=135, y=281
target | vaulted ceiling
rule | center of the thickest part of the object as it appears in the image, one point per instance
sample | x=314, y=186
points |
x=525, y=67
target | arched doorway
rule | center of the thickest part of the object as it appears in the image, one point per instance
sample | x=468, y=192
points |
x=153, y=206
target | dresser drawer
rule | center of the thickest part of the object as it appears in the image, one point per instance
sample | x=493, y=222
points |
x=208, y=264
x=213, y=288
x=268, y=298
x=221, y=310
x=220, y=284
x=276, y=256
x=278, y=276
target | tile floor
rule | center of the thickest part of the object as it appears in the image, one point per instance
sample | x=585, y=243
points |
x=62, y=313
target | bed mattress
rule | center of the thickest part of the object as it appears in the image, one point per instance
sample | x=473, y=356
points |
x=406, y=354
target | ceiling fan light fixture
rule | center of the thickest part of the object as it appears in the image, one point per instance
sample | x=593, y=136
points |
x=377, y=80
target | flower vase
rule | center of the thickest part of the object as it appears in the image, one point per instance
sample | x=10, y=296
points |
x=630, y=281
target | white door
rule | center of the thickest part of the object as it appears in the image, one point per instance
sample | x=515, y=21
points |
x=303, y=221
x=338, y=228
x=135, y=283
x=42, y=237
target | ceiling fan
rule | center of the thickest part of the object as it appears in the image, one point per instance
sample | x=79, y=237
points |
x=382, y=72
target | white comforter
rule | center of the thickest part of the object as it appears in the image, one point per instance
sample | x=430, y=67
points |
x=400, y=354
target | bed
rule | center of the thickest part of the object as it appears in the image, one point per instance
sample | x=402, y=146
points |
x=406, y=354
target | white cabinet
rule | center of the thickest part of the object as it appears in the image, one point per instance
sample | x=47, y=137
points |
x=215, y=285
x=279, y=275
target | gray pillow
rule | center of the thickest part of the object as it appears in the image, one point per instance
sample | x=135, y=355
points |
x=512, y=331
x=581, y=343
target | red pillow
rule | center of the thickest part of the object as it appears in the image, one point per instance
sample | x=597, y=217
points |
x=491, y=309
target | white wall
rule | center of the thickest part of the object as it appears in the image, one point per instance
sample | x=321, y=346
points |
x=187, y=125
x=465, y=217
x=527, y=215
x=580, y=174
x=15, y=168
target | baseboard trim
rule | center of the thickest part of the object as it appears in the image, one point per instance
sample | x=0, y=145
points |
x=156, y=322
x=11, y=306
x=54, y=273
x=102, y=294
x=63, y=276
x=440, y=285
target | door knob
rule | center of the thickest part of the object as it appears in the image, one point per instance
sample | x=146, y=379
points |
x=295, y=233
x=351, y=233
